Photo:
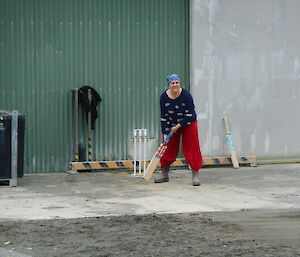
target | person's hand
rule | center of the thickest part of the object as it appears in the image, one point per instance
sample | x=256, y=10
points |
x=165, y=136
x=175, y=128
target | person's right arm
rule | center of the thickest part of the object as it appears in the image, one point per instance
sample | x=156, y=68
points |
x=165, y=128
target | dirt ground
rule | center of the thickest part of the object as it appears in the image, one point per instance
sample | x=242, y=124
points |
x=252, y=212
x=195, y=234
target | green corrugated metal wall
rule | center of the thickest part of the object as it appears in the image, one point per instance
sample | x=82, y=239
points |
x=123, y=48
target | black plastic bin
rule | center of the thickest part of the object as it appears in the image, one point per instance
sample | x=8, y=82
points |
x=5, y=145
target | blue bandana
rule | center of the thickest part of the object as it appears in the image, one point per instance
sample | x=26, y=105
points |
x=172, y=77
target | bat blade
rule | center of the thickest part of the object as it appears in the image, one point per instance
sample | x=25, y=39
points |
x=151, y=167
x=233, y=154
x=157, y=156
x=234, y=159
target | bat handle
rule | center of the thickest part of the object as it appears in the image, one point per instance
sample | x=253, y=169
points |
x=226, y=124
x=168, y=137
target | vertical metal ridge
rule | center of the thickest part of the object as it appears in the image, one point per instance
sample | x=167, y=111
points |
x=123, y=48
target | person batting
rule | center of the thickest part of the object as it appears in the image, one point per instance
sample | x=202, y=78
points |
x=178, y=115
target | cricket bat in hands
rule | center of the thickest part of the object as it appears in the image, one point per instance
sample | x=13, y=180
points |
x=230, y=144
x=157, y=156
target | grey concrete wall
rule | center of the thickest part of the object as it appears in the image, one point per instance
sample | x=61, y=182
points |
x=245, y=64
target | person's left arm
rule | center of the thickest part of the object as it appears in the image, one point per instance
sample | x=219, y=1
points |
x=189, y=114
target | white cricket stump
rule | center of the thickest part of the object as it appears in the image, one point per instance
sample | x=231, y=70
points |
x=139, y=151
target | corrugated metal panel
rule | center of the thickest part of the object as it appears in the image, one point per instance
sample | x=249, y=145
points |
x=123, y=48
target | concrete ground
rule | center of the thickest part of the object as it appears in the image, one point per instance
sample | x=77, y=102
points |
x=265, y=200
x=63, y=195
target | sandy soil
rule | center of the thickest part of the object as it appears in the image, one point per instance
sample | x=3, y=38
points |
x=197, y=234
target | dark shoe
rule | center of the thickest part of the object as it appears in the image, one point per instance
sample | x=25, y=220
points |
x=163, y=176
x=196, y=180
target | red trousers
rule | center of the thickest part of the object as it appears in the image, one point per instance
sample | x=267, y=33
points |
x=190, y=147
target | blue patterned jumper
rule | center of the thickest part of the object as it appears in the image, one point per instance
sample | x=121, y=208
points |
x=173, y=111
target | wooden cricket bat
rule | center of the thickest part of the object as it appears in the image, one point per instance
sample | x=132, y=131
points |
x=157, y=156
x=230, y=144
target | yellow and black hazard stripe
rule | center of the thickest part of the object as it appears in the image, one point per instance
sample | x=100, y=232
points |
x=127, y=164
x=100, y=165
x=90, y=149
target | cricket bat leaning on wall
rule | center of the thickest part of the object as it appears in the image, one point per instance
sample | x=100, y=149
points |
x=230, y=144
x=157, y=156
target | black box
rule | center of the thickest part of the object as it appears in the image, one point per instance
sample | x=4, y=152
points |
x=5, y=145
